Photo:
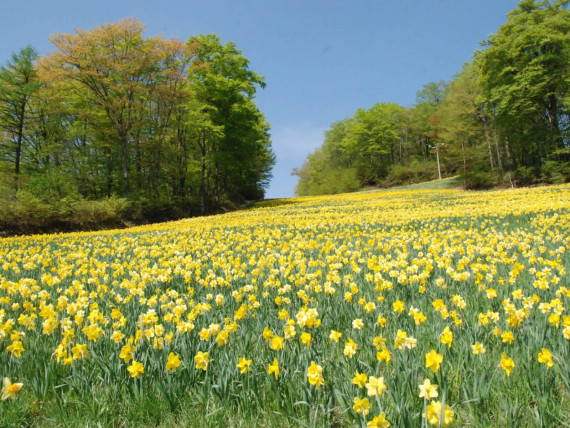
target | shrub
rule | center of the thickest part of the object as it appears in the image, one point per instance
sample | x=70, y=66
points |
x=555, y=172
x=343, y=180
x=52, y=187
x=414, y=172
x=479, y=180
x=26, y=212
x=100, y=212
x=337, y=180
x=525, y=176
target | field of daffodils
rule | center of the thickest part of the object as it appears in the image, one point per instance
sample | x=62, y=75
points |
x=395, y=308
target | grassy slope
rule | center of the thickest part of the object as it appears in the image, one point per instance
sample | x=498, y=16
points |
x=444, y=183
x=68, y=403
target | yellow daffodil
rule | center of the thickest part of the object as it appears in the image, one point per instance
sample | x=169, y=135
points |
x=244, y=365
x=173, y=362
x=201, y=359
x=545, y=357
x=79, y=351
x=361, y=406
x=435, y=416
x=306, y=339
x=384, y=355
x=398, y=306
x=376, y=386
x=9, y=389
x=359, y=379
x=507, y=337
x=433, y=360
x=335, y=336
x=447, y=337
x=507, y=364
x=315, y=375
x=16, y=348
x=276, y=343
x=428, y=390
x=135, y=369
x=127, y=351
x=267, y=334
x=357, y=324
x=478, y=348
x=350, y=348
x=273, y=368
x=379, y=421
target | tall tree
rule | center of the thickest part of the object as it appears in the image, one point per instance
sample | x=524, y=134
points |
x=171, y=126
x=466, y=128
x=371, y=140
x=238, y=160
x=18, y=83
x=111, y=67
x=525, y=72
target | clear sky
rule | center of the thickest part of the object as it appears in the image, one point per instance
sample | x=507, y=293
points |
x=322, y=59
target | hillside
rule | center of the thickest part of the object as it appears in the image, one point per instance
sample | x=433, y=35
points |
x=321, y=311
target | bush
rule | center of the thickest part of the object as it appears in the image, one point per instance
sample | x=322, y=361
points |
x=480, y=180
x=52, y=187
x=414, y=172
x=555, y=172
x=337, y=180
x=153, y=210
x=29, y=214
x=26, y=212
x=525, y=176
x=101, y=212
x=343, y=180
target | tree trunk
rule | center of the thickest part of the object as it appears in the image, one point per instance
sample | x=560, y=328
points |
x=499, y=160
x=552, y=108
x=125, y=164
x=488, y=140
x=19, y=142
x=183, y=166
x=109, y=161
x=464, y=161
x=203, y=186
x=138, y=164
x=510, y=157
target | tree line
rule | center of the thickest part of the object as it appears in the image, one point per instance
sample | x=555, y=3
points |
x=504, y=119
x=113, y=124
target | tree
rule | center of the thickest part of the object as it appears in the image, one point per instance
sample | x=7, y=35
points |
x=506, y=111
x=320, y=174
x=18, y=83
x=232, y=137
x=371, y=140
x=111, y=67
x=466, y=125
x=525, y=73
x=431, y=93
x=171, y=126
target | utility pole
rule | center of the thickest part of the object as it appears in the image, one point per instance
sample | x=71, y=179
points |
x=437, y=146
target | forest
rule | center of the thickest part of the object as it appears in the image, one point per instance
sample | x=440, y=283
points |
x=113, y=126
x=503, y=120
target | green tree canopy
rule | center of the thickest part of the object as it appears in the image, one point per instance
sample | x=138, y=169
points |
x=18, y=84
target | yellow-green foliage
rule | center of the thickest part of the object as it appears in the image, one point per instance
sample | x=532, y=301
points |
x=338, y=309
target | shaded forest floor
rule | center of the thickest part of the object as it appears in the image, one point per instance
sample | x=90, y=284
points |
x=11, y=226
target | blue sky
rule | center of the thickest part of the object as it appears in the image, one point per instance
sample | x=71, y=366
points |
x=322, y=59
